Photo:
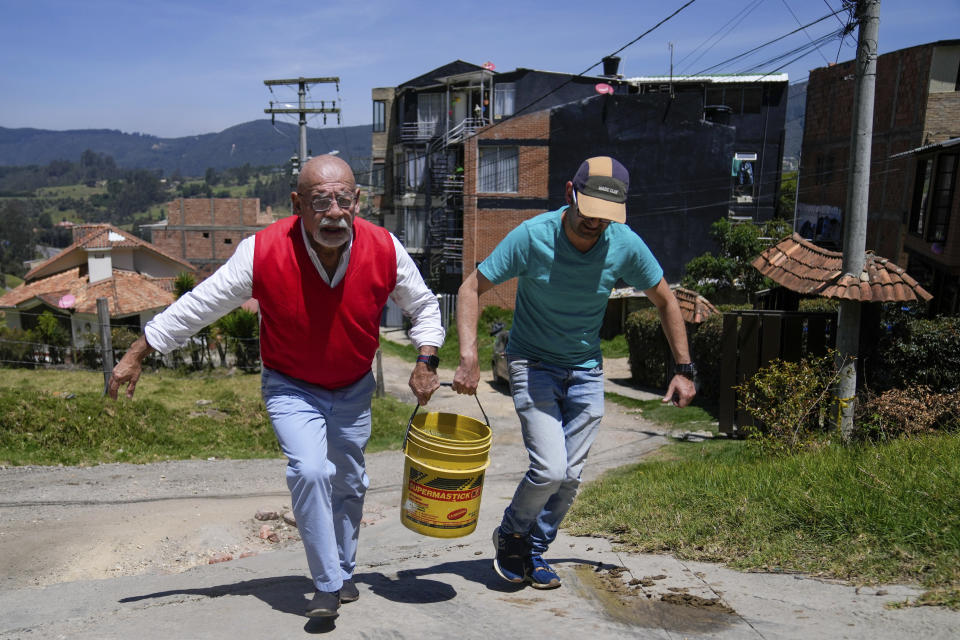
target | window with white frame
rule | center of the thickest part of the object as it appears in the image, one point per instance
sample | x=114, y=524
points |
x=504, y=96
x=498, y=171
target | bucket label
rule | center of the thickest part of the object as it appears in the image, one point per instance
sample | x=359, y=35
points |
x=438, y=502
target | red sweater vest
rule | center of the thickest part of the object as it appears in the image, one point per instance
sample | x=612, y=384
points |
x=308, y=330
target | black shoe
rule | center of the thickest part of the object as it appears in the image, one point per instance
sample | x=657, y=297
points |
x=511, y=553
x=349, y=592
x=324, y=604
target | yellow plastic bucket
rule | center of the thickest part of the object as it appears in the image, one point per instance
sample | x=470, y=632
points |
x=445, y=456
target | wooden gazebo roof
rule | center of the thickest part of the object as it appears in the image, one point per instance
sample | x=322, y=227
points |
x=801, y=266
x=693, y=306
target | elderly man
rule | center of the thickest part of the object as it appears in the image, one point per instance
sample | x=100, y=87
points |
x=322, y=278
x=566, y=261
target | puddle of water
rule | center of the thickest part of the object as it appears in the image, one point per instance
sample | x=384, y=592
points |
x=680, y=613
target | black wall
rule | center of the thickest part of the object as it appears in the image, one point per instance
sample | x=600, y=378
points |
x=679, y=166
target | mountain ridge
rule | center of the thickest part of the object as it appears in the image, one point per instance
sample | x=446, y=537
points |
x=257, y=142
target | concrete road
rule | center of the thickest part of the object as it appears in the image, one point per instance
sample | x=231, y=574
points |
x=413, y=586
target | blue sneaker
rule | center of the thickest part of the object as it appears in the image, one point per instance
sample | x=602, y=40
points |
x=539, y=574
x=511, y=555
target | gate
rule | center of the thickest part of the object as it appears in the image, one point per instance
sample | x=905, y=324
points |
x=752, y=338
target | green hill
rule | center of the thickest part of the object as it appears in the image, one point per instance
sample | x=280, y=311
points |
x=257, y=143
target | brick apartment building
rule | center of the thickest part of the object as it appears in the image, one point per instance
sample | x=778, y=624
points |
x=206, y=231
x=913, y=204
x=419, y=130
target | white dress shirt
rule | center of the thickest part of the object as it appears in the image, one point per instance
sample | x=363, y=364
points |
x=232, y=285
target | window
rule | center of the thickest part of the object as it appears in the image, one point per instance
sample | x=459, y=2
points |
x=941, y=197
x=498, y=170
x=206, y=234
x=414, y=228
x=228, y=241
x=376, y=175
x=429, y=113
x=921, y=193
x=742, y=172
x=379, y=116
x=414, y=168
x=503, y=99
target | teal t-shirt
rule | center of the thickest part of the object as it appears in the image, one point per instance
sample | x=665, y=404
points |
x=562, y=293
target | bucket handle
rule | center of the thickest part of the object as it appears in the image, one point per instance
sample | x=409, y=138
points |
x=417, y=408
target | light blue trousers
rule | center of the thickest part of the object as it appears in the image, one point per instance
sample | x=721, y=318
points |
x=323, y=433
x=560, y=411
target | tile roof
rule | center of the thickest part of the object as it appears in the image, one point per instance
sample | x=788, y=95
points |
x=801, y=266
x=103, y=236
x=693, y=306
x=127, y=292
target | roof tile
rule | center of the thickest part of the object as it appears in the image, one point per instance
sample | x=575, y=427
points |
x=800, y=265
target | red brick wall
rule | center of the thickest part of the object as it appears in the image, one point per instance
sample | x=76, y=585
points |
x=483, y=229
x=900, y=111
x=943, y=116
x=211, y=217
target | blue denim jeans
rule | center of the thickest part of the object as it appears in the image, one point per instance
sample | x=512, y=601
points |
x=560, y=411
x=323, y=433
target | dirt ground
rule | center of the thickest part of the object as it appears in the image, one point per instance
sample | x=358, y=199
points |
x=62, y=524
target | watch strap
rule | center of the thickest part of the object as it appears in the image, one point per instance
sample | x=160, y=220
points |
x=431, y=361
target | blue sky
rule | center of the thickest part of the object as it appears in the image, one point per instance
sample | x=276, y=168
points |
x=182, y=67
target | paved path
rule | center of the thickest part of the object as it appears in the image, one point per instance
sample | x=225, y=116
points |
x=414, y=586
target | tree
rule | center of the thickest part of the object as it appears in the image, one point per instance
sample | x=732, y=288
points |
x=183, y=283
x=788, y=195
x=729, y=276
x=16, y=237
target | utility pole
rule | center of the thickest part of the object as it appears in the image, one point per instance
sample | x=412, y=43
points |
x=302, y=108
x=855, y=214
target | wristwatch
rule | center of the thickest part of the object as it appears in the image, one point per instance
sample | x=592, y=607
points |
x=431, y=361
x=687, y=370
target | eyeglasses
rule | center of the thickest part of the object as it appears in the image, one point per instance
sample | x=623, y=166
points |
x=587, y=218
x=322, y=204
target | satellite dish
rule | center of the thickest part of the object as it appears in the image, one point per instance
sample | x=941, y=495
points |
x=603, y=87
x=67, y=301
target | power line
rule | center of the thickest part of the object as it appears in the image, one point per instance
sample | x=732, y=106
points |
x=747, y=10
x=765, y=44
x=804, y=31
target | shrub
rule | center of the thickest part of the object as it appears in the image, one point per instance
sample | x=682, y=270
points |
x=16, y=347
x=917, y=351
x=906, y=412
x=788, y=402
x=241, y=329
x=649, y=351
x=491, y=315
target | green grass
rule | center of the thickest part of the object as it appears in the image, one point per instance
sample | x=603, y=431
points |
x=450, y=351
x=692, y=418
x=865, y=513
x=13, y=281
x=69, y=191
x=60, y=417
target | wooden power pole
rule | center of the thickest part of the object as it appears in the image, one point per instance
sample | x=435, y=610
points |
x=302, y=109
x=855, y=214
